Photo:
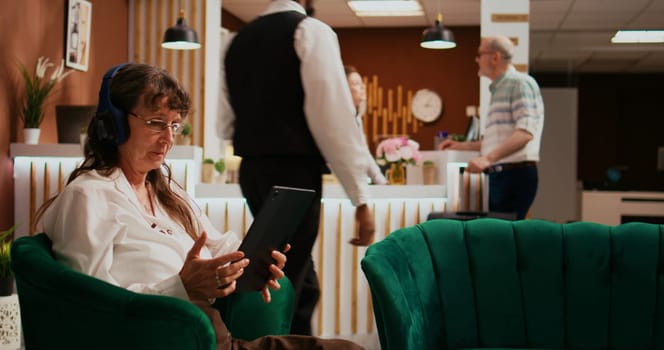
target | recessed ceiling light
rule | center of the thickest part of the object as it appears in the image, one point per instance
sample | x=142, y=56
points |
x=379, y=8
x=638, y=37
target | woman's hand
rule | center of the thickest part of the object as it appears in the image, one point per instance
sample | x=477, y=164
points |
x=277, y=272
x=211, y=278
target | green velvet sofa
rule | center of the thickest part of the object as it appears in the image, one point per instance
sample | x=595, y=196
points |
x=64, y=309
x=490, y=283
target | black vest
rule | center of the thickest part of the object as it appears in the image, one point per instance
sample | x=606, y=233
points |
x=265, y=89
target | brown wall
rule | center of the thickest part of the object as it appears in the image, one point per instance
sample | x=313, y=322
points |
x=230, y=22
x=33, y=28
x=394, y=55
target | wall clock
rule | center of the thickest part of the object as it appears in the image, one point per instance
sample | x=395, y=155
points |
x=426, y=105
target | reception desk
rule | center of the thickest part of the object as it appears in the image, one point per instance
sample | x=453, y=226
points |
x=465, y=191
x=345, y=309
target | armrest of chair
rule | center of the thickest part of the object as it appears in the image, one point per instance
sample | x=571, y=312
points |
x=65, y=309
x=248, y=317
x=401, y=315
x=62, y=308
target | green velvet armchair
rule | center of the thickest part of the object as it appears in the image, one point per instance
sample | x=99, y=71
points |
x=64, y=309
x=489, y=283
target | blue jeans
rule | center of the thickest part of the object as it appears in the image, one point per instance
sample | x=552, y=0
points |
x=513, y=190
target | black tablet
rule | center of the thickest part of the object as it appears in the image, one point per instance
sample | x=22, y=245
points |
x=272, y=229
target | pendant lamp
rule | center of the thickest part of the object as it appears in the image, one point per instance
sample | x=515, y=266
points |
x=180, y=36
x=438, y=37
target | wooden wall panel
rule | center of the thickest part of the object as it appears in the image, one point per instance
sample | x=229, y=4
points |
x=151, y=18
x=394, y=56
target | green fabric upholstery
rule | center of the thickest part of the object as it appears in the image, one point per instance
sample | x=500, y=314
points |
x=254, y=318
x=64, y=309
x=489, y=283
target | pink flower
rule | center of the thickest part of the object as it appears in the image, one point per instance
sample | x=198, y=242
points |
x=398, y=150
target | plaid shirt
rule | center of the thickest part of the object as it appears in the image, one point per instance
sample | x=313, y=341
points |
x=516, y=103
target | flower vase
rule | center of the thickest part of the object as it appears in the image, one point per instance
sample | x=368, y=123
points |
x=396, y=174
x=31, y=136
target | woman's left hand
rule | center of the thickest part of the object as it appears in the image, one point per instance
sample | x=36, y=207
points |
x=277, y=272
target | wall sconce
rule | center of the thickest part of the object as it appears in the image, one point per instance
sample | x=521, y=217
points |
x=180, y=36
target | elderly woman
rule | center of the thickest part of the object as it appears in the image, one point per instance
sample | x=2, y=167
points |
x=122, y=219
x=359, y=93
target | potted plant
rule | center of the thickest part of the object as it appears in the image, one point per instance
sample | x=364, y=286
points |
x=207, y=170
x=6, y=276
x=220, y=167
x=184, y=138
x=429, y=172
x=37, y=89
x=458, y=137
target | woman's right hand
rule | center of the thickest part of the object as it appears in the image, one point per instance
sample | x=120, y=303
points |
x=211, y=278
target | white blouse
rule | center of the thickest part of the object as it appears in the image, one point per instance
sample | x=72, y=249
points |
x=99, y=228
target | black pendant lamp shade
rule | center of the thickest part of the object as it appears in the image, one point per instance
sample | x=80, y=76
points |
x=438, y=37
x=180, y=36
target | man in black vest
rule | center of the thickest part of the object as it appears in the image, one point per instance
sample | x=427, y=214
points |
x=291, y=112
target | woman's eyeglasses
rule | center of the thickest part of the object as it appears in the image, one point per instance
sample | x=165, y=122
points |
x=158, y=125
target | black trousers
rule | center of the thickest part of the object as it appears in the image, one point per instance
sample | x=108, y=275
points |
x=257, y=176
x=513, y=190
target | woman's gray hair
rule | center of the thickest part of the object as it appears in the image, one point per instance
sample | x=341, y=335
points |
x=503, y=45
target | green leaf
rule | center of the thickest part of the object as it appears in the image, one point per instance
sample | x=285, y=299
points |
x=220, y=166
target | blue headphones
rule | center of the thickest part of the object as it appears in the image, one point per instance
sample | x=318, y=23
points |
x=119, y=118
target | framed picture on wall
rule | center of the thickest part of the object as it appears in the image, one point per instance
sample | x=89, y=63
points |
x=78, y=34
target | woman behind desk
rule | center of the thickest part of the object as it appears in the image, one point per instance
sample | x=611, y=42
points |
x=122, y=219
x=359, y=93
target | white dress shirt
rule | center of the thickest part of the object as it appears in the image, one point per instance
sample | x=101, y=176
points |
x=328, y=105
x=98, y=227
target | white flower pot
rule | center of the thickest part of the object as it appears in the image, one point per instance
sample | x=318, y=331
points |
x=31, y=135
x=10, y=323
x=220, y=178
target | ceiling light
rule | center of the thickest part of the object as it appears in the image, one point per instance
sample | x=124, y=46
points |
x=438, y=37
x=180, y=36
x=638, y=37
x=377, y=8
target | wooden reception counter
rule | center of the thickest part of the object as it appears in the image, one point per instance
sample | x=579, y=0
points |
x=345, y=309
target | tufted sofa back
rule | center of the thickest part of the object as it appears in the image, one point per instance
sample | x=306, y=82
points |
x=489, y=283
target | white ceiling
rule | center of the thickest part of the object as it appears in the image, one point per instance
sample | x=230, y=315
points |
x=565, y=35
